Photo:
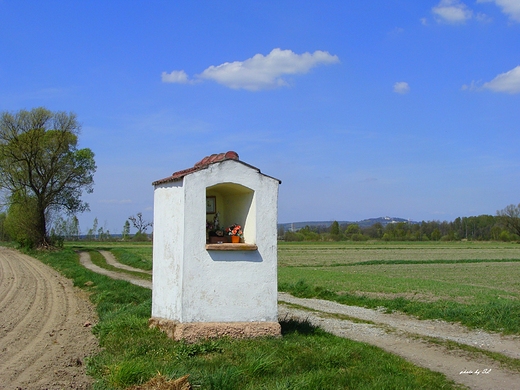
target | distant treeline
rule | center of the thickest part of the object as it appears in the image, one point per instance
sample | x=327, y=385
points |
x=480, y=228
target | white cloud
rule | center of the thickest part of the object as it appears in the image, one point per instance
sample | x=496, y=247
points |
x=509, y=7
x=401, y=87
x=264, y=72
x=177, y=76
x=473, y=86
x=483, y=18
x=508, y=82
x=259, y=72
x=452, y=11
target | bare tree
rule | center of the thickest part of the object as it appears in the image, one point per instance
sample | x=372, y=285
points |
x=139, y=223
x=510, y=218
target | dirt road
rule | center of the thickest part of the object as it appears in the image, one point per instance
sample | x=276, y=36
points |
x=45, y=327
x=411, y=339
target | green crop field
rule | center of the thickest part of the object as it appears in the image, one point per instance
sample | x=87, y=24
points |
x=347, y=253
x=466, y=282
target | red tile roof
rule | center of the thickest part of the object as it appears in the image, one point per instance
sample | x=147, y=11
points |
x=216, y=158
x=202, y=164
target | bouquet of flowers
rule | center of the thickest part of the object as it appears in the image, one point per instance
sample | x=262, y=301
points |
x=235, y=230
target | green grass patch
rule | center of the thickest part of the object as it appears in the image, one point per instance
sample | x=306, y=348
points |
x=463, y=283
x=495, y=315
x=304, y=358
x=409, y=262
x=137, y=257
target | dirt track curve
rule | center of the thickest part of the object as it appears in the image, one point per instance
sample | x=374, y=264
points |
x=45, y=327
x=409, y=338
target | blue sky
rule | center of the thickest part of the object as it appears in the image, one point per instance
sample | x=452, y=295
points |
x=363, y=109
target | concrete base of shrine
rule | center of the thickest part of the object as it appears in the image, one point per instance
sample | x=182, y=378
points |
x=194, y=331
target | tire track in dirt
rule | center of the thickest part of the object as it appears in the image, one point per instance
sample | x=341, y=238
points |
x=22, y=306
x=29, y=322
x=494, y=342
x=43, y=338
x=404, y=336
x=6, y=275
x=401, y=335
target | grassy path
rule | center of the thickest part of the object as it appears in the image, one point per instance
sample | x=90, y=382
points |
x=111, y=260
x=493, y=342
x=86, y=261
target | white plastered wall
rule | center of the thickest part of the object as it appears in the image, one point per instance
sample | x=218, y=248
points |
x=167, y=253
x=216, y=286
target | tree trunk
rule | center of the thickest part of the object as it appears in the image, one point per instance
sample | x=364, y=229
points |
x=41, y=228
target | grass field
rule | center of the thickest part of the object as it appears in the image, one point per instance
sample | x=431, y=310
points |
x=477, y=284
x=348, y=253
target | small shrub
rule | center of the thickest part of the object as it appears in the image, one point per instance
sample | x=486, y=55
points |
x=140, y=237
x=360, y=237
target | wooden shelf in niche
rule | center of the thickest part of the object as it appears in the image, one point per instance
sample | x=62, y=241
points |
x=231, y=247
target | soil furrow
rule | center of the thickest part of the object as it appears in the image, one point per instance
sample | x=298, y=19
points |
x=11, y=286
x=8, y=281
x=31, y=329
x=23, y=310
x=46, y=323
x=45, y=339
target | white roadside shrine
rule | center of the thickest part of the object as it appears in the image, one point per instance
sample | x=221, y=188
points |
x=206, y=287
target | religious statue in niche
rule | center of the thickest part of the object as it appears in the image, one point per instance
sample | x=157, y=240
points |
x=216, y=224
x=214, y=229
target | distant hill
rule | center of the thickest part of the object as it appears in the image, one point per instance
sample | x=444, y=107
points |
x=383, y=221
x=364, y=223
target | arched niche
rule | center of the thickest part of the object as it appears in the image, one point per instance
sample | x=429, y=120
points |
x=235, y=204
